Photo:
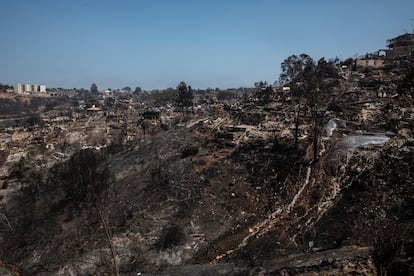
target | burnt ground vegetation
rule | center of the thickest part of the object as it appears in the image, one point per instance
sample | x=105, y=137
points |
x=226, y=193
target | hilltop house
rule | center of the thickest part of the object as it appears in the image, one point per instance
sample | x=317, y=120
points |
x=400, y=48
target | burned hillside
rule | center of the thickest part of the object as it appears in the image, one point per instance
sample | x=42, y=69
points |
x=276, y=183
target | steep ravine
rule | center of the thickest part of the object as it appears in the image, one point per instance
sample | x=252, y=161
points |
x=180, y=200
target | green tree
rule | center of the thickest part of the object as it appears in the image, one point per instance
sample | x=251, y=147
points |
x=296, y=73
x=293, y=69
x=311, y=85
x=94, y=88
x=184, y=96
x=4, y=87
x=127, y=89
x=322, y=78
x=137, y=90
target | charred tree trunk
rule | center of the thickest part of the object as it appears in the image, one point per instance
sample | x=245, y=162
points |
x=315, y=132
x=315, y=140
x=296, y=133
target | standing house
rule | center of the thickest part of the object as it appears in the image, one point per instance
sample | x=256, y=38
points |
x=400, y=48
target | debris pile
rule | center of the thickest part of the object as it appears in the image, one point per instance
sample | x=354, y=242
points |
x=224, y=190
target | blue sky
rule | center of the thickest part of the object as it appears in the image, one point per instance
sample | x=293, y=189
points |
x=206, y=43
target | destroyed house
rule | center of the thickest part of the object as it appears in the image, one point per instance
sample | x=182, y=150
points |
x=400, y=47
x=372, y=60
x=373, y=63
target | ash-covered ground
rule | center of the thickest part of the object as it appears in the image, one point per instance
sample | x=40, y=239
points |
x=225, y=193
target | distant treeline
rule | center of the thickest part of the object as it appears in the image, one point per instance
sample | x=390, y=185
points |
x=4, y=87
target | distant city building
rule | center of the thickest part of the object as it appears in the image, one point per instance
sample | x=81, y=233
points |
x=18, y=88
x=29, y=88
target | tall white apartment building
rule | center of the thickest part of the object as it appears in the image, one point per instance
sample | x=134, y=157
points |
x=29, y=88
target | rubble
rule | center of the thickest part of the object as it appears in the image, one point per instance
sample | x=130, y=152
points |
x=225, y=192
